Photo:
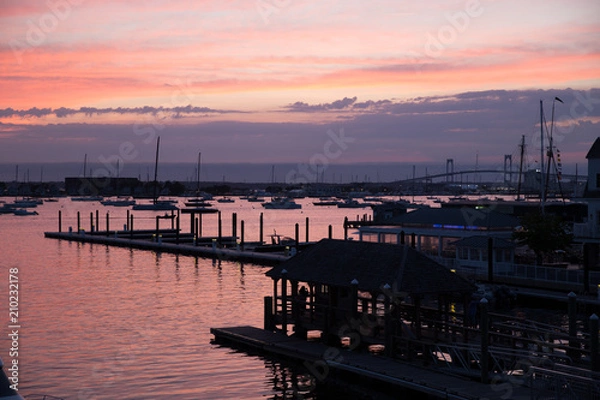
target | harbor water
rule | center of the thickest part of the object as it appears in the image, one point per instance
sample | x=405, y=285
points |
x=99, y=322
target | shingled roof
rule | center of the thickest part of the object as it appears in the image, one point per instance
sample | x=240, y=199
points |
x=338, y=262
x=594, y=152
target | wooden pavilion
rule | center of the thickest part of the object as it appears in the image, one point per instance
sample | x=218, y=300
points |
x=364, y=293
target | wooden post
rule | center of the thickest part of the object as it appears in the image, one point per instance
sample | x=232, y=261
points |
x=220, y=229
x=78, y=222
x=297, y=236
x=330, y=232
x=97, y=220
x=260, y=230
x=402, y=238
x=484, y=326
x=345, y=228
x=157, y=226
x=131, y=227
x=242, y=235
x=572, y=312
x=413, y=240
x=490, y=250
x=234, y=225
x=197, y=229
x=594, y=359
x=268, y=313
x=178, y=228
x=284, y=301
x=107, y=223
x=307, y=229
x=192, y=222
x=199, y=225
x=59, y=220
x=127, y=221
x=91, y=222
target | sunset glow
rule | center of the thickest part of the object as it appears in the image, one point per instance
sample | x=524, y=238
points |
x=108, y=63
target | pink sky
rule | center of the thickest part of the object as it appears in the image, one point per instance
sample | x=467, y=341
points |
x=247, y=61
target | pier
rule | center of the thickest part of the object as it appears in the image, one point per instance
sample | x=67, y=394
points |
x=385, y=373
x=163, y=242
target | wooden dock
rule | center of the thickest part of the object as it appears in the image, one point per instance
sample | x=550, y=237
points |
x=331, y=362
x=148, y=240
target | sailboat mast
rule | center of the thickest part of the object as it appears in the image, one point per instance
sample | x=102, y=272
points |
x=198, y=174
x=84, y=165
x=542, y=180
x=156, y=169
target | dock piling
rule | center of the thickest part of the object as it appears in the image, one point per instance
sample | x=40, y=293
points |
x=297, y=237
x=330, y=232
x=307, y=229
x=234, y=225
x=91, y=222
x=260, y=232
x=345, y=228
x=107, y=223
x=242, y=234
x=220, y=229
x=59, y=220
x=78, y=222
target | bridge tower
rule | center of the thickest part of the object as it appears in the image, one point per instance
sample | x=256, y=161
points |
x=450, y=170
x=508, y=169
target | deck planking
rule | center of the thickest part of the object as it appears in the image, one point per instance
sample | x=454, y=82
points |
x=361, y=365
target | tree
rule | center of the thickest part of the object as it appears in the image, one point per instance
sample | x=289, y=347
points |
x=543, y=233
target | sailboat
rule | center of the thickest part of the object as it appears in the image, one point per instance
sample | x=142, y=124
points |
x=119, y=201
x=86, y=198
x=199, y=204
x=156, y=205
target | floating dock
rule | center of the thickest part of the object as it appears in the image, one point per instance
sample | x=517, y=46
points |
x=379, y=371
x=164, y=241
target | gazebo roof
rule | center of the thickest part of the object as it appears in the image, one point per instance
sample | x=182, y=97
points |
x=339, y=262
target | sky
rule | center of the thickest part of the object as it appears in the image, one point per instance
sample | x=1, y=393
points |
x=297, y=81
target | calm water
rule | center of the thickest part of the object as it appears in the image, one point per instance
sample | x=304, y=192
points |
x=100, y=322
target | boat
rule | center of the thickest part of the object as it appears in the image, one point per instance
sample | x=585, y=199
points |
x=156, y=205
x=87, y=198
x=281, y=203
x=198, y=202
x=118, y=202
x=255, y=199
x=23, y=211
x=225, y=200
x=351, y=203
x=326, y=202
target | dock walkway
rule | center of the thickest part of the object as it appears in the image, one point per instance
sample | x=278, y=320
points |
x=141, y=242
x=322, y=360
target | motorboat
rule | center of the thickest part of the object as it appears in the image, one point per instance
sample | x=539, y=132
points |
x=281, y=203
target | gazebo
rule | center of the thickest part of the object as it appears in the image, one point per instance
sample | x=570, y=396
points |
x=362, y=291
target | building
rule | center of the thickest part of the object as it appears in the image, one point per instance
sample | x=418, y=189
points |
x=346, y=288
x=433, y=230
